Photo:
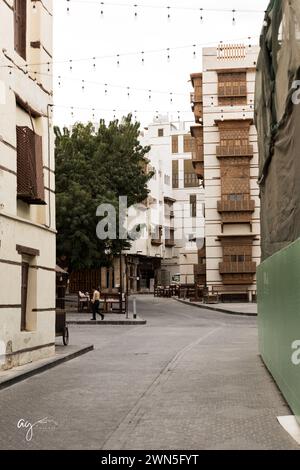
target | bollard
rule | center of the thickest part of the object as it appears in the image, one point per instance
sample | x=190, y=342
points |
x=134, y=308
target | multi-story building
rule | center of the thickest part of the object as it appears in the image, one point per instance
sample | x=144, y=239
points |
x=27, y=200
x=227, y=158
x=174, y=209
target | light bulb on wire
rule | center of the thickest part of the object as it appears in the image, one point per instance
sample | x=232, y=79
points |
x=201, y=15
x=168, y=55
x=233, y=17
x=169, y=13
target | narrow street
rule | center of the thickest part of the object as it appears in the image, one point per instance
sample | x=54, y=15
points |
x=189, y=379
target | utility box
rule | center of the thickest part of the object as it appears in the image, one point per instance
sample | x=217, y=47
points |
x=278, y=282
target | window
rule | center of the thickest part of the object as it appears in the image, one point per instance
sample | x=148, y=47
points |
x=20, y=17
x=238, y=258
x=175, y=174
x=232, y=88
x=30, y=179
x=190, y=177
x=187, y=144
x=24, y=294
x=235, y=197
x=160, y=132
x=193, y=205
x=174, y=143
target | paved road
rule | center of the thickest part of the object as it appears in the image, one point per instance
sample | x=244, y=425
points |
x=190, y=379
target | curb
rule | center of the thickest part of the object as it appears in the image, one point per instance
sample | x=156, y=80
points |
x=38, y=369
x=108, y=322
x=215, y=309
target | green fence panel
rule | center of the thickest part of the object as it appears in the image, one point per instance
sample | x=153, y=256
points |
x=278, y=280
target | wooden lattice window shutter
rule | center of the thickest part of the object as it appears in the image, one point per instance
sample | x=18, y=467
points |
x=187, y=144
x=174, y=143
x=30, y=180
x=20, y=22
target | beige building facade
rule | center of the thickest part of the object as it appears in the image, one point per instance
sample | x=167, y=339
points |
x=27, y=184
x=223, y=104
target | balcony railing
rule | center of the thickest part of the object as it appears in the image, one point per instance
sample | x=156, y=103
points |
x=236, y=206
x=198, y=155
x=237, y=267
x=196, y=97
x=235, y=151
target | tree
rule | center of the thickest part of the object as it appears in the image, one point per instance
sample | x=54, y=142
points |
x=95, y=167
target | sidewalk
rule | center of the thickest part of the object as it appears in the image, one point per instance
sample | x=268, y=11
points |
x=62, y=354
x=245, y=308
x=74, y=318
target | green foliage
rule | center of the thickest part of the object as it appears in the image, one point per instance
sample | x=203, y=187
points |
x=95, y=167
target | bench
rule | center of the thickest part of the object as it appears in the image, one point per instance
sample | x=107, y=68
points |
x=218, y=292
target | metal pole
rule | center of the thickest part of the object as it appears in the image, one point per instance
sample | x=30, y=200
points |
x=134, y=307
x=121, y=284
x=127, y=286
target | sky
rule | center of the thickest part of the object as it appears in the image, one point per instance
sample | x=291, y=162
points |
x=84, y=33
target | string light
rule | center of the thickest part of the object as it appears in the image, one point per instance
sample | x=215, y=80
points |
x=201, y=15
x=127, y=54
x=162, y=7
x=135, y=11
x=169, y=14
x=171, y=98
x=118, y=60
x=102, y=9
x=68, y=6
x=34, y=7
x=128, y=92
x=233, y=17
x=194, y=51
x=150, y=95
x=83, y=85
x=105, y=89
x=94, y=64
x=168, y=54
x=71, y=65
x=143, y=58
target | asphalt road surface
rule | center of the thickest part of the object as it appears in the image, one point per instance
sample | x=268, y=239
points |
x=189, y=379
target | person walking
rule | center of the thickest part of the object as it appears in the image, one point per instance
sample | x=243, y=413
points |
x=96, y=305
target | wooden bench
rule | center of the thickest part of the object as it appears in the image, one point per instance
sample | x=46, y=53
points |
x=218, y=292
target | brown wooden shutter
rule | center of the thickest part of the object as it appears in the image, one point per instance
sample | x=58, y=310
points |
x=187, y=144
x=174, y=143
x=193, y=205
x=24, y=289
x=175, y=174
x=30, y=180
x=20, y=24
x=190, y=177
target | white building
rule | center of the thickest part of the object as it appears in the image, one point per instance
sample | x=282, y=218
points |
x=27, y=198
x=174, y=208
